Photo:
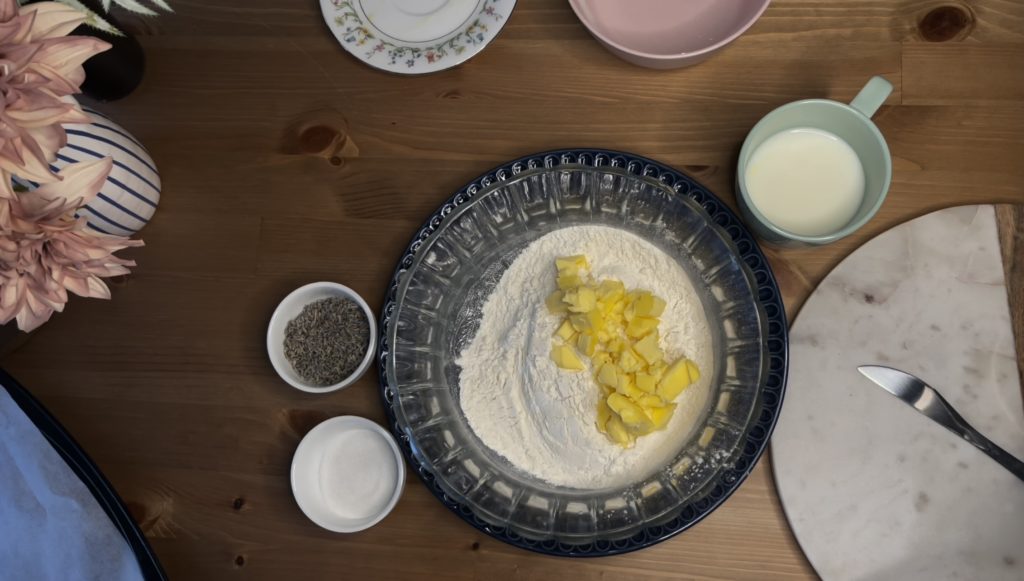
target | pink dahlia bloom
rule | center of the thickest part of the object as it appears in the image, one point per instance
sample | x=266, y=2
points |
x=40, y=67
x=45, y=251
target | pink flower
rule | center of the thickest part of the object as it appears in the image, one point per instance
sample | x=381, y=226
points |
x=45, y=251
x=40, y=67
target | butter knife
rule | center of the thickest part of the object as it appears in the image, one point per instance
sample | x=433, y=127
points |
x=929, y=402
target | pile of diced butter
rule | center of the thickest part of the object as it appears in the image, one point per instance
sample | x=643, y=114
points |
x=618, y=331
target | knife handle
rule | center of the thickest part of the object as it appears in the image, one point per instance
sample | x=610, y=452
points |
x=1015, y=466
x=944, y=414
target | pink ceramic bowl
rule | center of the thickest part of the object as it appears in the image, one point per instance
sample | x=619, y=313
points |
x=667, y=34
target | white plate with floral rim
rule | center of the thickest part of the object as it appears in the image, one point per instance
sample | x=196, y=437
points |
x=413, y=37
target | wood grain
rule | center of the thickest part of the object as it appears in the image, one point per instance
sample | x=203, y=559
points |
x=168, y=386
x=1010, y=221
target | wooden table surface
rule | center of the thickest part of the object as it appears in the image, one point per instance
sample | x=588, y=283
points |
x=168, y=386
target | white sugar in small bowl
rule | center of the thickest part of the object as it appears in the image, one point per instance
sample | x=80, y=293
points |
x=347, y=474
x=290, y=308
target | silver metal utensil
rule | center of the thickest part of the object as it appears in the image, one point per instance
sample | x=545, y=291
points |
x=929, y=402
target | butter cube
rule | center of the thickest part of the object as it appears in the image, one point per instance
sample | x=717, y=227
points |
x=675, y=380
x=565, y=357
x=600, y=359
x=614, y=325
x=646, y=382
x=565, y=331
x=611, y=291
x=657, y=370
x=555, y=304
x=626, y=386
x=607, y=309
x=603, y=413
x=649, y=402
x=581, y=300
x=579, y=322
x=569, y=281
x=608, y=374
x=591, y=321
x=640, y=326
x=648, y=348
x=648, y=305
x=618, y=433
x=569, y=297
x=587, y=344
x=637, y=422
x=616, y=345
x=694, y=373
x=576, y=262
x=660, y=416
x=629, y=361
x=618, y=402
x=632, y=415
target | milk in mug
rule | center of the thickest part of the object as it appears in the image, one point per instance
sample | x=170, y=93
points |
x=806, y=181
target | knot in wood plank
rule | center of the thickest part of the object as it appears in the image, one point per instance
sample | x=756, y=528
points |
x=945, y=23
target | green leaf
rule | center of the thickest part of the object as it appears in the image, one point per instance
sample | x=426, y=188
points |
x=98, y=22
x=131, y=6
x=92, y=19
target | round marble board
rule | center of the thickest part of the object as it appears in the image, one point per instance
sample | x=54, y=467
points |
x=872, y=488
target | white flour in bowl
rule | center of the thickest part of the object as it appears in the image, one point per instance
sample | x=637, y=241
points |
x=541, y=418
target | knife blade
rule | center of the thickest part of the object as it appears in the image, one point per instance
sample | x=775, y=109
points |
x=927, y=400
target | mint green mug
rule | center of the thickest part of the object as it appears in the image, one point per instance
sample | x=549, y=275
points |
x=852, y=124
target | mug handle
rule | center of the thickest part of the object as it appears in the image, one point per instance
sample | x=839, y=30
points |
x=871, y=97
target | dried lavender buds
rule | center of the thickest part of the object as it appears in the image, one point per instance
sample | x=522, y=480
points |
x=327, y=341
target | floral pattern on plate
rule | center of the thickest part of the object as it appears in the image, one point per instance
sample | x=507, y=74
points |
x=360, y=38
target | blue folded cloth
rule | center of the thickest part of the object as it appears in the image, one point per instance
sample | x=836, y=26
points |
x=51, y=527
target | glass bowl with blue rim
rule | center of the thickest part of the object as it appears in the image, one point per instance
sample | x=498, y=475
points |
x=446, y=274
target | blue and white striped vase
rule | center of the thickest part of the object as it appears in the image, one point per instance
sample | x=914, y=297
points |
x=129, y=198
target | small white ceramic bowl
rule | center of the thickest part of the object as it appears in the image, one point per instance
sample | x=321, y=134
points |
x=290, y=308
x=374, y=448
